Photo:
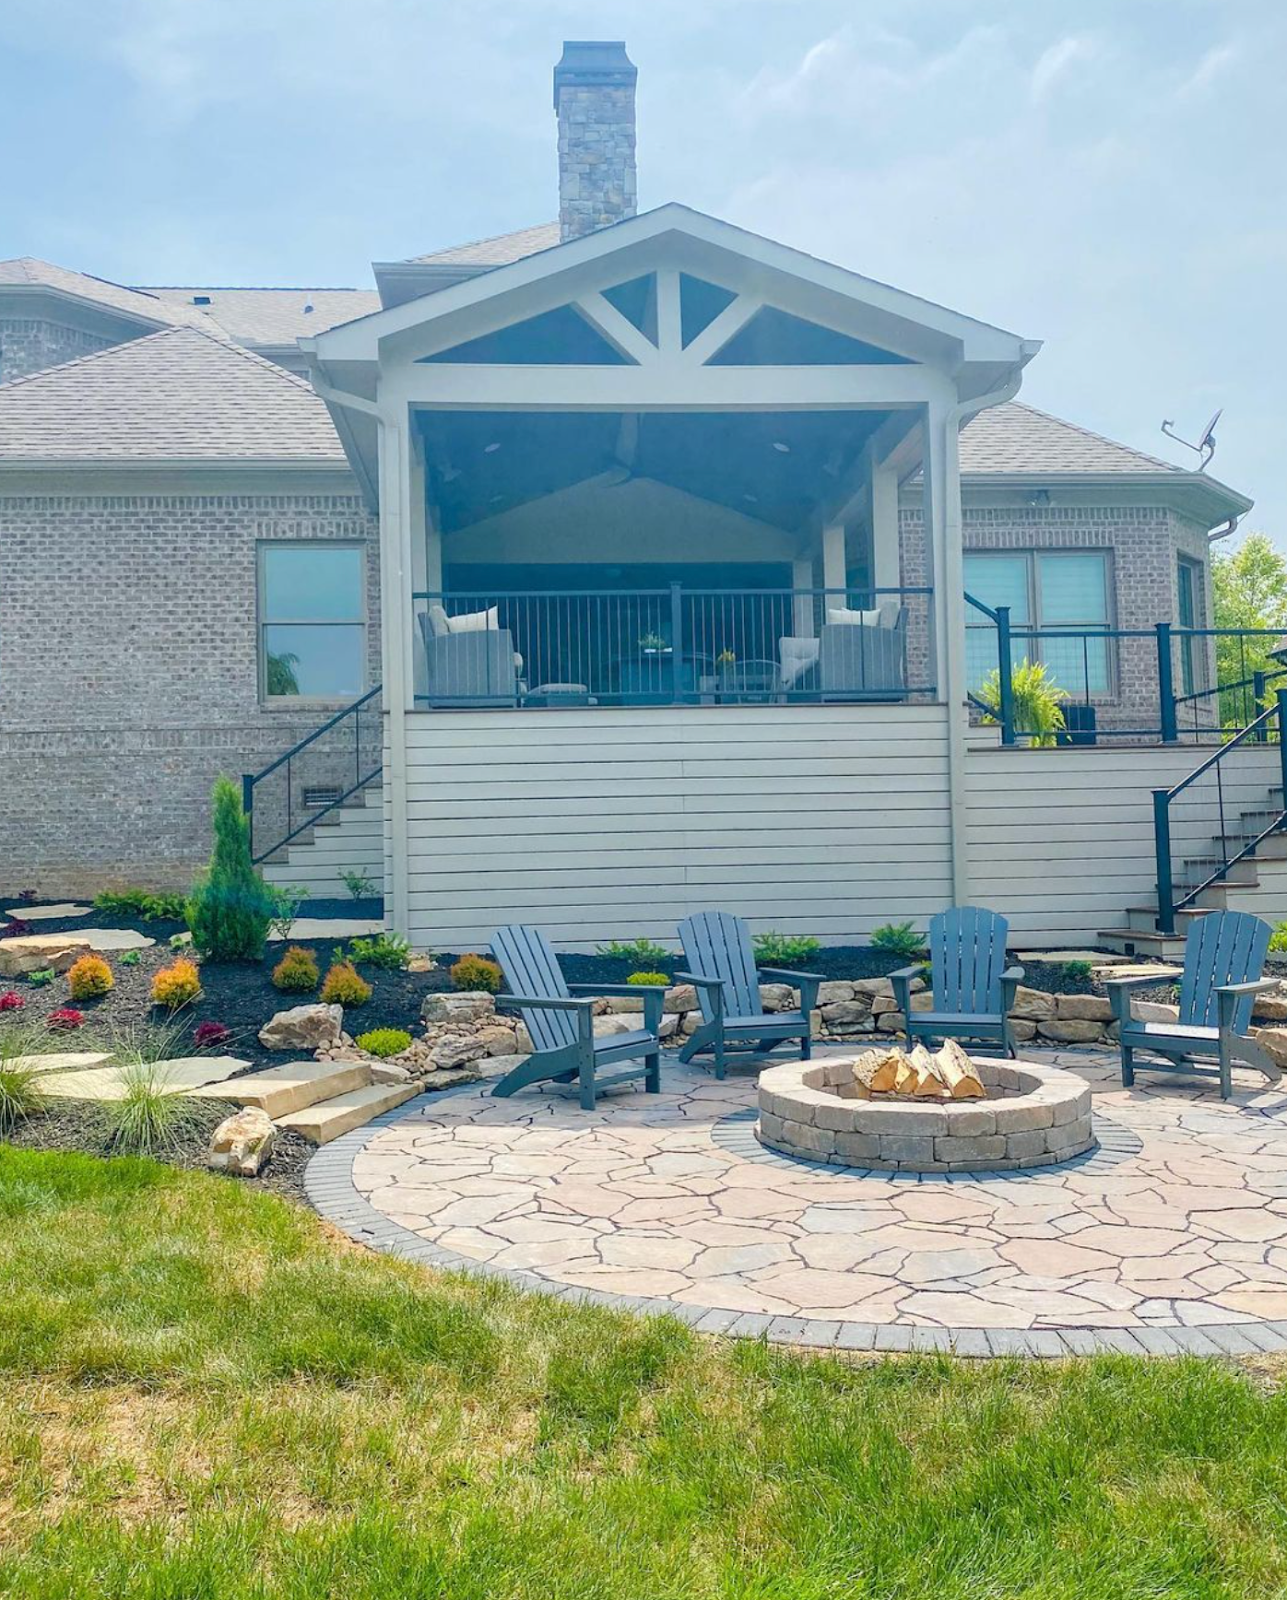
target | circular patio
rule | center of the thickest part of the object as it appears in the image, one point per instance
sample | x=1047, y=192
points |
x=1167, y=1238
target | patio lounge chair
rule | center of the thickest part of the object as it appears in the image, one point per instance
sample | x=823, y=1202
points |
x=475, y=666
x=972, y=988
x=561, y=1024
x=1224, y=956
x=717, y=948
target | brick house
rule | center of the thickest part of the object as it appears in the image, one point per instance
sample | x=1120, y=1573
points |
x=690, y=490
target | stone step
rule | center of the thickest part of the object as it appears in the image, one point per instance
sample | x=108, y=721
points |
x=328, y=1119
x=1152, y=946
x=293, y=1087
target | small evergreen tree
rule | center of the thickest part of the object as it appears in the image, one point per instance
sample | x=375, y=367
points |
x=230, y=908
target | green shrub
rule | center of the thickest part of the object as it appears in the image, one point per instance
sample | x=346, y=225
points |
x=345, y=986
x=130, y=958
x=783, y=949
x=384, y=1042
x=152, y=1117
x=41, y=977
x=1278, y=938
x=644, y=979
x=1075, y=971
x=20, y=1095
x=285, y=900
x=177, y=985
x=297, y=972
x=1037, y=702
x=897, y=939
x=472, y=973
x=88, y=978
x=389, y=951
x=229, y=910
x=150, y=905
x=358, y=884
x=642, y=951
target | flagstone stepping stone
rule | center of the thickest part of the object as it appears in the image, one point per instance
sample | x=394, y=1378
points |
x=109, y=1083
x=46, y=913
x=330, y=928
x=39, y=950
x=115, y=939
x=63, y=1061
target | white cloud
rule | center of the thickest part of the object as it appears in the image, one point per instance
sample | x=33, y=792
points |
x=1212, y=67
x=1056, y=62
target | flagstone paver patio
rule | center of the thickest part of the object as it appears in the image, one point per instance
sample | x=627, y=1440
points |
x=1172, y=1237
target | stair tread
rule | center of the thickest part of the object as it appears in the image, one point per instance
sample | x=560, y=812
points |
x=328, y=1119
x=296, y=1085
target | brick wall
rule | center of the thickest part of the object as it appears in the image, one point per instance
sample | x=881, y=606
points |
x=28, y=346
x=1143, y=542
x=129, y=675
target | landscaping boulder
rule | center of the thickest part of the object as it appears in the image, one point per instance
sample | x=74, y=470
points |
x=834, y=991
x=303, y=1028
x=1273, y=1007
x=1033, y=1004
x=36, y=951
x=456, y=1050
x=1083, y=1007
x=1274, y=1042
x=243, y=1142
x=778, y=997
x=389, y=1072
x=1071, y=1030
x=470, y=1005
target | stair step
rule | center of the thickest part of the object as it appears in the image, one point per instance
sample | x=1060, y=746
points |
x=328, y=1119
x=294, y=1086
x=1135, y=941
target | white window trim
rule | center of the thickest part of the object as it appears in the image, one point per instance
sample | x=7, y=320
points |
x=308, y=702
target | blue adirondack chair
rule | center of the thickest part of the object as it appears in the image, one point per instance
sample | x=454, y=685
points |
x=972, y=988
x=718, y=950
x=562, y=1024
x=1224, y=956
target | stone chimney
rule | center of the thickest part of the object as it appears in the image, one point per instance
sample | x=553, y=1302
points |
x=594, y=96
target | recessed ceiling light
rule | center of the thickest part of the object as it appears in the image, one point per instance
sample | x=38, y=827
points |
x=753, y=498
x=492, y=448
x=782, y=447
x=495, y=499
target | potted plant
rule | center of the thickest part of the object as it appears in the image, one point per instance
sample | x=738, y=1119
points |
x=652, y=644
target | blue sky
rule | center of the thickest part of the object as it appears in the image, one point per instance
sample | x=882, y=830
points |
x=1108, y=177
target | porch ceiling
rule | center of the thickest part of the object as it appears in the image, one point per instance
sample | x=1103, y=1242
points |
x=775, y=467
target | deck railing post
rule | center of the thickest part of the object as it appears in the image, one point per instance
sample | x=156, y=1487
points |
x=1005, y=676
x=1258, y=705
x=1281, y=697
x=676, y=641
x=1167, y=721
x=1162, y=851
x=248, y=806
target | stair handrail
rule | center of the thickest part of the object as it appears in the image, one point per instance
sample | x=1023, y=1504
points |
x=1004, y=714
x=1167, y=901
x=251, y=780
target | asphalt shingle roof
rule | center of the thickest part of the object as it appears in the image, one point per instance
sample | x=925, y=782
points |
x=498, y=251
x=178, y=395
x=1019, y=439
x=28, y=272
x=272, y=316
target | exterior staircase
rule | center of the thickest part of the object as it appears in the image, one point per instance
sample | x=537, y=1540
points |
x=318, y=1099
x=349, y=838
x=1257, y=883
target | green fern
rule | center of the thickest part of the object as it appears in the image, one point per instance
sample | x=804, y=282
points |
x=1036, y=700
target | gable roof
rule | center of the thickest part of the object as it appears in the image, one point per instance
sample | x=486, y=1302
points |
x=498, y=251
x=1017, y=438
x=27, y=272
x=181, y=395
x=270, y=316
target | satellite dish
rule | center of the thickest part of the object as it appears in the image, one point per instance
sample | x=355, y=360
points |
x=1205, y=448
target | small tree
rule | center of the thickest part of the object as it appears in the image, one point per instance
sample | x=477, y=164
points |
x=1249, y=590
x=230, y=908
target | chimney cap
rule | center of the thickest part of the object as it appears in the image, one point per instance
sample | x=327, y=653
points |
x=594, y=61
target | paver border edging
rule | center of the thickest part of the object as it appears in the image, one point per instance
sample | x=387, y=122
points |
x=328, y=1183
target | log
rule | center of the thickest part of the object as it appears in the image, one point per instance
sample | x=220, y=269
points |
x=908, y=1074
x=928, y=1084
x=957, y=1073
x=877, y=1070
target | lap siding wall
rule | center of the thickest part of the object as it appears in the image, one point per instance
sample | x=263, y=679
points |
x=603, y=824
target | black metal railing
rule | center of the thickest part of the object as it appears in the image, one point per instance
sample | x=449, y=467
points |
x=676, y=645
x=1231, y=846
x=315, y=776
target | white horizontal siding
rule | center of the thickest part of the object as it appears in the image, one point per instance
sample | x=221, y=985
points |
x=605, y=824
x=1061, y=841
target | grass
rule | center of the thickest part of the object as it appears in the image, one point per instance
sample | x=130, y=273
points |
x=150, y=1118
x=203, y=1393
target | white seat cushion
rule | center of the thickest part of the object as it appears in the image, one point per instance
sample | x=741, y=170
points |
x=476, y=621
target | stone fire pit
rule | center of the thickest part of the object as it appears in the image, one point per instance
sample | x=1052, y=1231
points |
x=1030, y=1116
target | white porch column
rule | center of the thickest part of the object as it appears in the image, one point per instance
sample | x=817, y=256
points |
x=396, y=568
x=420, y=533
x=802, y=608
x=835, y=564
x=886, y=563
x=943, y=530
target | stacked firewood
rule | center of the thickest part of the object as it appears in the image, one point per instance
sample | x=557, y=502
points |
x=946, y=1074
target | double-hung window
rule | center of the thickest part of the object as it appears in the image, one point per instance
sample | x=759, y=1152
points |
x=1066, y=595
x=312, y=621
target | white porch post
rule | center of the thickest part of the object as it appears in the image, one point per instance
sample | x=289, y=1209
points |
x=425, y=549
x=396, y=567
x=835, y=564
x=802, y=606
x=886, y=561
x=942, y=517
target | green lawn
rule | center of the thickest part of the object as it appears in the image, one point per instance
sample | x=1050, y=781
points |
x=204, y=1393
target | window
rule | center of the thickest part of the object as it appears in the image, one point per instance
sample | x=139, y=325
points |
x=1189, y=615
x=1045, y=589
x=312, y=621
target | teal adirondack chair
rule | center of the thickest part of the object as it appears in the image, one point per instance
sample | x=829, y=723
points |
x=973, y=989
x=718, y=950
x=1224, y=956
x=561, y=1023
